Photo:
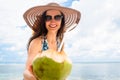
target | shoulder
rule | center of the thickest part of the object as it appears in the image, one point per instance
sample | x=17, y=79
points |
x=35, y=41
x=35, y=44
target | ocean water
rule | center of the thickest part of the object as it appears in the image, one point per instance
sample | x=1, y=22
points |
x=95, y=71
x=80, y=71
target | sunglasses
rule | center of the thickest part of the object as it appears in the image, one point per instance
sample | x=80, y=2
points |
x=56, y=17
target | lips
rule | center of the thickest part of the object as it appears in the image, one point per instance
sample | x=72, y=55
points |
x=52, y=25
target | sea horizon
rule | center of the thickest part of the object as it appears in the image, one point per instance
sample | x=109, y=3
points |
x=80, y=71
x=72, y=62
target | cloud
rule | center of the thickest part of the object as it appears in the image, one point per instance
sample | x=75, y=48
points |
x=97, y=35
x=95, y=38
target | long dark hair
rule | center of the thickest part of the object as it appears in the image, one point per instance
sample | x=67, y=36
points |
x=40, y=29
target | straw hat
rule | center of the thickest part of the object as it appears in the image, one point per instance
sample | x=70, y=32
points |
x=72, y=16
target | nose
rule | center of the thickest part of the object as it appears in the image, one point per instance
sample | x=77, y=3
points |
x=52, y=20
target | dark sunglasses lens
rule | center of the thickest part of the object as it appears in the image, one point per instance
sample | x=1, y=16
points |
x=48, y=18
x=58, y=17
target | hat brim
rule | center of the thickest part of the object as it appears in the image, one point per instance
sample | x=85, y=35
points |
x=72, y=16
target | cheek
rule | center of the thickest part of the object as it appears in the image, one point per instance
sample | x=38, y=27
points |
x=46, y=24
x=59, y=23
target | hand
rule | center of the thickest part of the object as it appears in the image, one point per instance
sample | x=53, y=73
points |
x=28, y=75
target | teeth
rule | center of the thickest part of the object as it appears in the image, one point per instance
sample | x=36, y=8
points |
x=53, y=25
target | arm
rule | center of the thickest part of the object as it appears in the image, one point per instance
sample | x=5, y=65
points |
x=33, y=50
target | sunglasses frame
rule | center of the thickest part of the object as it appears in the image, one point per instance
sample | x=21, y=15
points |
x=56, y=17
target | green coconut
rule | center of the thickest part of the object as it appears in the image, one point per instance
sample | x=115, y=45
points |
x=52, y=65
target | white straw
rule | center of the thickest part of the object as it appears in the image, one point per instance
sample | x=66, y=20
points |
x=59, y=49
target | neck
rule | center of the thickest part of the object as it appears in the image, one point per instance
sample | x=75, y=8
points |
x=51, y=37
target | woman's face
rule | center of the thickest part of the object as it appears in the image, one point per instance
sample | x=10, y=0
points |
x=53, y=20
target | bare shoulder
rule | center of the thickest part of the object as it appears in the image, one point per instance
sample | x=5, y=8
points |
x=35, y=41
x=35, y=45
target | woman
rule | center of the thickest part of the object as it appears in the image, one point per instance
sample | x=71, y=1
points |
x=48, y=22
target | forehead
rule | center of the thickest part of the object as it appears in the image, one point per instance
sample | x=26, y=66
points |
x=53, y=12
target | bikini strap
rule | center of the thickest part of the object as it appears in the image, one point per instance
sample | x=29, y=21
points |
x=44, y=44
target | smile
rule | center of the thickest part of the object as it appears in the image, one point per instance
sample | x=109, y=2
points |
x=52, y=25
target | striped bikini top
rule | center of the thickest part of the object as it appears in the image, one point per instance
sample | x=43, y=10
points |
x=45, y=44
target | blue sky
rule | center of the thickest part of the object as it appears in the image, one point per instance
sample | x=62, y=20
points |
x=96, y=38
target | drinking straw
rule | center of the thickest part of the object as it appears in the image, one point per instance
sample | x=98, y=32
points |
x=64, y=35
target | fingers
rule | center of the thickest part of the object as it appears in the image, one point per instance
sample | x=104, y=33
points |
x=30, y=68
x=28, y=75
